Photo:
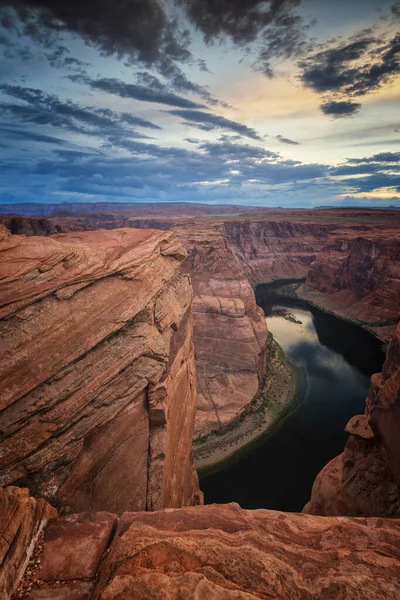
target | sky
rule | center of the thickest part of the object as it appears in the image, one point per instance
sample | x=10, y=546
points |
x=292, y=103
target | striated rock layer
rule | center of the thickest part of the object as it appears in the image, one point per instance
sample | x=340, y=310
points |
x=365, y=479
x=229, y=329
x=357, y=274
x=217, y=552
x=270, y=250
x=97, y=376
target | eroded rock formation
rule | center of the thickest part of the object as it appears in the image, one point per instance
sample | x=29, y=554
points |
x=229, y=329
x=270, y=249
x=365, y=478
x=97, y=370
x=357, y=275
x=217, y=552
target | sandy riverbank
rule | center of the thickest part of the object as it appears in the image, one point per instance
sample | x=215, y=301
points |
x=278, y=395
x=382, y=331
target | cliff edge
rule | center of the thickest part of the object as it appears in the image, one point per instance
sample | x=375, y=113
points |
x=365, y=478
x=98, y=386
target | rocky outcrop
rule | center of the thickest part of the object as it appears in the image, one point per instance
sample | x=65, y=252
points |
x=97, y=370
x=22, y=519
x=365, y=479
x=357, y=275
x=217, y=552
x=229, y=329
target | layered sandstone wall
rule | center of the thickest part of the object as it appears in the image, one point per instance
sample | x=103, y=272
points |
x=217, y=552
x=98, y=385
x=229, y=329
x=357, y=275
x=271, y=250
x=365, y=478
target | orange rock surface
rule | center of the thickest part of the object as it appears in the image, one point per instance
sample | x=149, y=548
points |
x=229, y=329
x=358, y=274
x=22, y=518
x=365, y=479
x=218, y=552
x=97, y=372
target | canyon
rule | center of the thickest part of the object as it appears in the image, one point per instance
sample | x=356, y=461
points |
x=352, y=272
x=107, y=334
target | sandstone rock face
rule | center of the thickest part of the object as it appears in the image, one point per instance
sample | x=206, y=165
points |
x=218, y=552
x=22, y=518
x=359, y=274
x=365, y=479
x=98, y=384
x=270, y=249
x=229, y=328
x=4, y=233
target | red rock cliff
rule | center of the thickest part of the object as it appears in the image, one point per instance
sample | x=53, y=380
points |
x=365, y=479
x=358, y=275
x=229, y=328
x=97, y=370
x=271, y=249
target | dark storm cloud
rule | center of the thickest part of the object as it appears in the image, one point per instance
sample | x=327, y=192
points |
x=395, y=9
x=285, y=140
x=381, y=157
x=347, y=71
x=241, y=21
x=156, y=94
x=40, y=109
x=340, y=108
x=274, y=24
x=383, y=170
x=159, y=172
x=372, y=182
x=133, y=28
x=211, y=121
x=30, y=136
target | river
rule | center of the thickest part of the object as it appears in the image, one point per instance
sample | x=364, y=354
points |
x=335, y=359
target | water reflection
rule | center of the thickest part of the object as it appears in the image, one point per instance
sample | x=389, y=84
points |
x=337, y=360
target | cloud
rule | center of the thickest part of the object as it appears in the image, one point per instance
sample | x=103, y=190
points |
x=31, y=137
x=181, y=83
x=209, y=122
x=340, y=108
x=285, y=140
x=39, y=109
x=156, y=94
x=273, y=27
x=381, y=157
x=370, y=173
x=215, y=171
x=131, y=28
x=344, y=71
x=238, y=20
x=395, y=10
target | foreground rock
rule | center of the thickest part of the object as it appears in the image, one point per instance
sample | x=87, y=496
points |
x=365, y=479
x=22, y=519
x=97, y=370
x=217, y=552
